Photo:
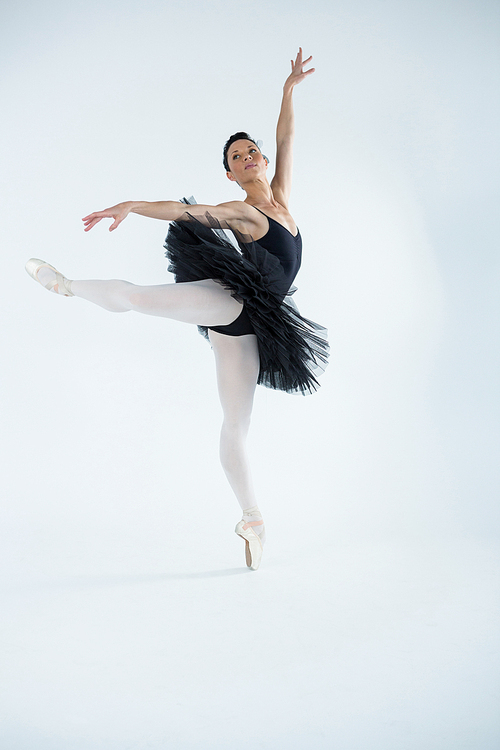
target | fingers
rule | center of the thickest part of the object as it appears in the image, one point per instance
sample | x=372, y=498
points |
x=87, y=228
x=299, y=57
x=96, y=215
x=298, y=64
x=106, y=212
x=92, y=219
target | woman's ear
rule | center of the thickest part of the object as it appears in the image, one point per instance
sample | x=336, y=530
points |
x=230, y=176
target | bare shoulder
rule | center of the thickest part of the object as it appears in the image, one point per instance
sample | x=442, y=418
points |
x=236, y=215
x=238, y=210
x=241, y=216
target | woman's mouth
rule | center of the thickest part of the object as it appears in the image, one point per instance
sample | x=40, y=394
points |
x=248, y=166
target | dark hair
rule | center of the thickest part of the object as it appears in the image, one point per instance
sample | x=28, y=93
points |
x=236, y=137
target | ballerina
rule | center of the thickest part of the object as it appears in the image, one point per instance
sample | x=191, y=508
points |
x=239, y=299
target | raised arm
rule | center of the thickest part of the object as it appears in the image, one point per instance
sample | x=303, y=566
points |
x=282, y=181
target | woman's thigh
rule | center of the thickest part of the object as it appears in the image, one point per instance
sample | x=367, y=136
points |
x=237, y=363
x=205, y=302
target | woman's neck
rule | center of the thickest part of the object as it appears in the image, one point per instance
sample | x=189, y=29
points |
x=260, y=194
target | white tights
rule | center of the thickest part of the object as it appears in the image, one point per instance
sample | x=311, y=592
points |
x=237, y=358
x=205, y=303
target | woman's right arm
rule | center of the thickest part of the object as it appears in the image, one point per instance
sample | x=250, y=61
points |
x=233, y=212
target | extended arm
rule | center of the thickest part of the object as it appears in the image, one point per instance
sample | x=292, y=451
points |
x=167, y=210
x=233, y=212
x=282, y=181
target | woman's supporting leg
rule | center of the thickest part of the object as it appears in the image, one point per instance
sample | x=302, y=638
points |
x=237, y=362
x=205, y=303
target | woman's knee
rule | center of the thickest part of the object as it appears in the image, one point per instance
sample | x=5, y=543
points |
x=236, y=426
x=134, y=296
x=117, y=295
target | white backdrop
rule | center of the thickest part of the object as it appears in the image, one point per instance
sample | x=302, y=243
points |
x=129, y=624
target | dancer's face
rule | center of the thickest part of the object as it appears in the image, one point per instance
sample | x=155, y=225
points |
x=245, y=162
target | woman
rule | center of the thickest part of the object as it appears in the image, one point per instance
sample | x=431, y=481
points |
x=236, y=298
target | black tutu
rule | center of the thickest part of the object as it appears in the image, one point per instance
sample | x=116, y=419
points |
x=293, y=351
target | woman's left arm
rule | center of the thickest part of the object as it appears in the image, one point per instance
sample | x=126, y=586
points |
x=282, y=181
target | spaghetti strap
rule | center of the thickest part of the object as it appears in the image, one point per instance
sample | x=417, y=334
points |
x=270, y=218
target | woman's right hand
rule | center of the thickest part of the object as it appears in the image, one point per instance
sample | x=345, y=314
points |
x=298, y=73
x=118, y=213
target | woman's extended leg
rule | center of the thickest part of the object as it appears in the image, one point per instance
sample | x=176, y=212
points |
x=201, y=302
x=237, y=362
x=204, y=303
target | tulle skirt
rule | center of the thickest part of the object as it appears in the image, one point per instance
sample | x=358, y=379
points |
x=293, y=351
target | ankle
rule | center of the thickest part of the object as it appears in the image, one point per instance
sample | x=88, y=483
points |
x=253, y=519
x=252, y=514
x=53, y=280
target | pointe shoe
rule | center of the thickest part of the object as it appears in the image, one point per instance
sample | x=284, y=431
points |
x=35, y=264
x=253, y=545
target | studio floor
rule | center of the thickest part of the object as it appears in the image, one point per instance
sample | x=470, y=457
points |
x=392, y=646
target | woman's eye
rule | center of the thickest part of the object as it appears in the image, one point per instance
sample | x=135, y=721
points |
x=235, y=156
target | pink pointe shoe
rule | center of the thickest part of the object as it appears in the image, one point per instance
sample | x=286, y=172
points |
x=253, y=543
x=63, y=284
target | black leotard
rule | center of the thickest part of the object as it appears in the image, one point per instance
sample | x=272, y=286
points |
x=279, y=241
x=292, y=350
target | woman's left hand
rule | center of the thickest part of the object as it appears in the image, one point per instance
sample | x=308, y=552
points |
x=298, y=73
x=118, y=213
